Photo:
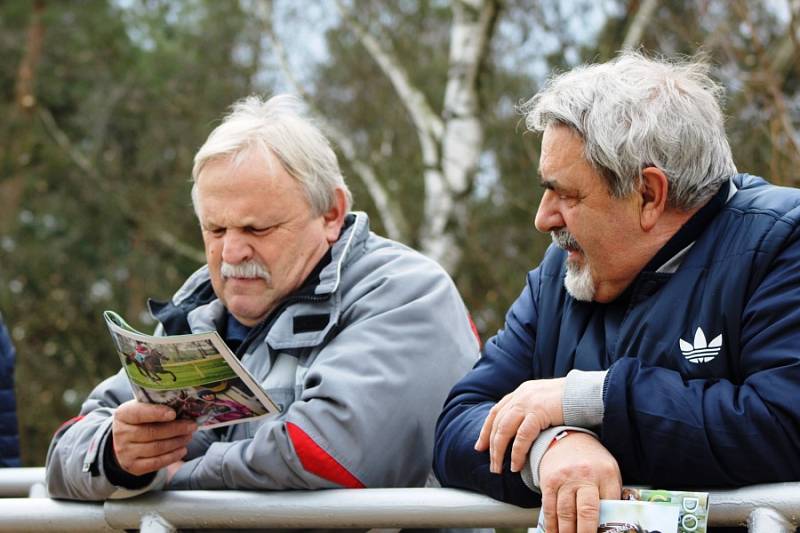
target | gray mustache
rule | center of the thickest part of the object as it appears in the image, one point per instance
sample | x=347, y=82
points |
x=565, y=240
x=248, y=269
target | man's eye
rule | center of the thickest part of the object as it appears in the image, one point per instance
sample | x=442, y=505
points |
x=217, y=232
x=261, y=231
x=568, y=197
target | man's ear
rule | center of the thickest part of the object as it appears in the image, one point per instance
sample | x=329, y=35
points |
x=333, y=218
x=654, y=190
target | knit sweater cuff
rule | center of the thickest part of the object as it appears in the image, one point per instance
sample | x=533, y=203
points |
x=583, y=398
x=530, y=472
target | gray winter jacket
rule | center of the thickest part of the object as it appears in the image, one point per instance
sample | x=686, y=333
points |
x=360, y=366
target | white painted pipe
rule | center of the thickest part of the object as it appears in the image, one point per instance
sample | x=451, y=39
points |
x=733, y=507
x=767, y=520
x=43, y=514
x=343, y=508
x=16, y=482
x=367, y=508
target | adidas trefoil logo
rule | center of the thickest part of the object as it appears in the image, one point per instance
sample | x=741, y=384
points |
x=701, y=351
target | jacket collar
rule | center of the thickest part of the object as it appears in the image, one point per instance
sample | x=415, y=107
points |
x=670, y=257
x=349, y=246
x=684, y=238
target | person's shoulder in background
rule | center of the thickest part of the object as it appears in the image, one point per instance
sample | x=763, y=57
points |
x=9, y=433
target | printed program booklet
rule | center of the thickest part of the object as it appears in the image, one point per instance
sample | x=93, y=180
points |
x=196, y=374
x=651, y=511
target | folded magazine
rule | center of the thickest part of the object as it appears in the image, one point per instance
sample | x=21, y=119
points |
x=197, y=375
x=651, y=511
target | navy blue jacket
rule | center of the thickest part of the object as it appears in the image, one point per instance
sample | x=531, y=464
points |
x=9, y=439
x=730, y=420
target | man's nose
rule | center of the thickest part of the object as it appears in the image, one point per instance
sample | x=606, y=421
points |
x=235, y=247
x=548, y=216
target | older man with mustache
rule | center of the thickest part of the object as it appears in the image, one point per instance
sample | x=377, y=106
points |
x=355, y=337
x=658, y=342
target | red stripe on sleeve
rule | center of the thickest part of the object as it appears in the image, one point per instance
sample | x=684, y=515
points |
x=69, y=423
x=317, y=461
x=475, y=330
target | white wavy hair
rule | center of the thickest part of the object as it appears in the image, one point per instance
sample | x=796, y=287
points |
x=277, y=126
x=634, y=112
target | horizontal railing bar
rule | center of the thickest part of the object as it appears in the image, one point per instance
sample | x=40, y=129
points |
x=733, y=507
x=16, y=482
x=344, y=508
x=44, y=514
x=337, y=508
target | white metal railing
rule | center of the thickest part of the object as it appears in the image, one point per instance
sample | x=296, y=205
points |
x=772, y=508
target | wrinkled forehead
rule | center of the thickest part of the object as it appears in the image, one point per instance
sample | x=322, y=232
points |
x=562, y=148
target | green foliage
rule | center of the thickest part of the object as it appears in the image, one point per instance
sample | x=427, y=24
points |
x=133, y=92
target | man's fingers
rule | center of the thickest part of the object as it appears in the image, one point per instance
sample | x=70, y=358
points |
x=526, y=433
x=141, y=458
x=505, y=428
x=142, y=433
x=482, y=444
x=549, y=496
x=587, y=500
x=159, y=447
x=166, y=430
x=146, y=465
x=134, y=412
x=611, y=487
x=565, y=509
x=147, y=437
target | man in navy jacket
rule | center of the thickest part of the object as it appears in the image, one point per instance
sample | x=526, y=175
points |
x=658, y=342
x=9, y=439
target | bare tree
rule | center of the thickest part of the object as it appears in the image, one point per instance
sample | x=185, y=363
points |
x=640, y=22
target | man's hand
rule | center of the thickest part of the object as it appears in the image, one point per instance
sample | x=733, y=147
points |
x=534, y=406
x=575, y=474
x=147, y=437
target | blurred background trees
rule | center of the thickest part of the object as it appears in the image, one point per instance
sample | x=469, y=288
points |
x=106, y=101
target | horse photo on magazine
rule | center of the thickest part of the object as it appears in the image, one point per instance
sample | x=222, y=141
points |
x=197, y=375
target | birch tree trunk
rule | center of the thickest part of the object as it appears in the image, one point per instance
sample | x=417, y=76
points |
x=451, y=141
x=462, y=142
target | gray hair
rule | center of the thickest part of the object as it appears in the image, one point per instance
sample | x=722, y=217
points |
x=634, y=112
x=278, y=127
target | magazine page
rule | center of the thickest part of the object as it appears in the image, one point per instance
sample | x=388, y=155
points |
x=197, y=375
x=651, y=511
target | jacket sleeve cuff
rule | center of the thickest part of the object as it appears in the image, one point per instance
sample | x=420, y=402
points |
x=583, y=398
x=530, y=472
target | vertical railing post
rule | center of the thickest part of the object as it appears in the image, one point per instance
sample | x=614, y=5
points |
x=155, y=523
x=768, y=520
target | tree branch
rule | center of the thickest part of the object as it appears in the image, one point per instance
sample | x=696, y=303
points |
x=639, y=24
x=26, y=73
x=90, y=171
x=394, y=222
x=428, y=124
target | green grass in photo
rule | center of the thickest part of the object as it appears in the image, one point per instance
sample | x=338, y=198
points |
x=188, y=374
